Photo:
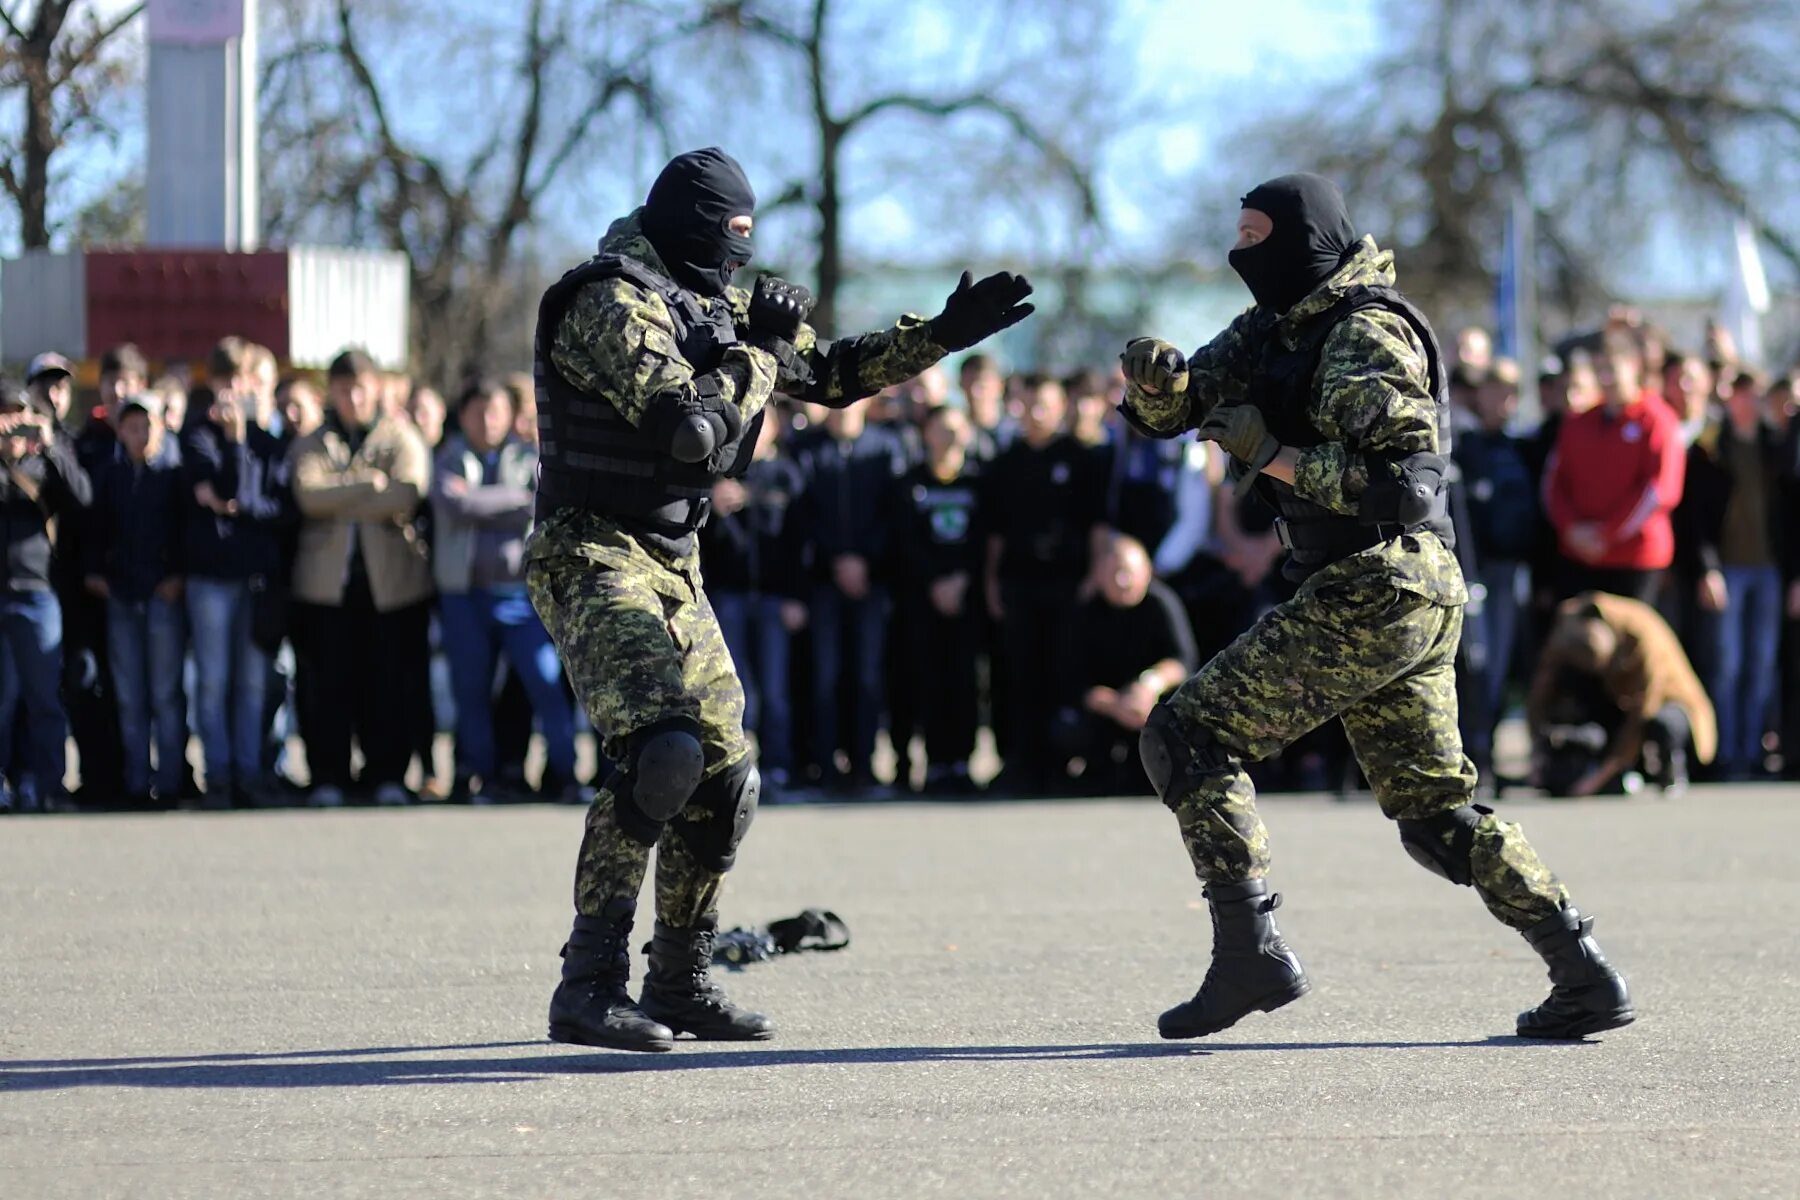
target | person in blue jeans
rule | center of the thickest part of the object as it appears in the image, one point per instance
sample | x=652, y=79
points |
x=1501, y=482
x=233, y=534
x=750, y=555
x=1730, y=542
x=134, y=563
x=481, y=498
x=42, y=487
x=844, y=516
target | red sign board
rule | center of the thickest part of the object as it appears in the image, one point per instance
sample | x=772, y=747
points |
x=176, y=304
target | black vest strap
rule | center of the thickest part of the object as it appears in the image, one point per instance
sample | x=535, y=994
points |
x=592, y=457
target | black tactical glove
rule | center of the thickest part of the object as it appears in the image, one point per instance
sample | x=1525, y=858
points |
x=778, y=308
x=976, y=311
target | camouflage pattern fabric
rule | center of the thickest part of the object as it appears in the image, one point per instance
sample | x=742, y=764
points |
x=1371, y=638
x=1384, y=659
x=618, y=341
x=610, y=866
x=641, y=644
x=685, y=890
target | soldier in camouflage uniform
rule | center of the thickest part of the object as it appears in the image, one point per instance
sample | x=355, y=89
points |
x=1329, y=396
x=652, y=374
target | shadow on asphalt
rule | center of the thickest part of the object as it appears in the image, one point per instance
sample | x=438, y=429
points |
x=366, y=1067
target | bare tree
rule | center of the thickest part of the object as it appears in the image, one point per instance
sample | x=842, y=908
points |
x=1606, y=115
x=1005, y=106
x=341, y=164
x=65, y=61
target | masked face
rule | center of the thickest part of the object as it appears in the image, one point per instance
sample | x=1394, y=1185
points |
x=690, y=216
x=1309, y=237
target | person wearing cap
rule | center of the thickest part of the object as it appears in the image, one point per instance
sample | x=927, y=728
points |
x=362, y=585
x=133, y=563
x=43, y=491
x=1330, y=396
x=51, y=378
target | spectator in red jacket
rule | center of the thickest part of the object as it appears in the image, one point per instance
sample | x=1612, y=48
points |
x=1614, y=478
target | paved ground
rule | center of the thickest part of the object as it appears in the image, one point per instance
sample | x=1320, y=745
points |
x=349, y=1004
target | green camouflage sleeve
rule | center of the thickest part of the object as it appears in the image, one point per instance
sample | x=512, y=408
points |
x=849, y=369
x=1218, y=373
x=1374, y=397
x=618, y=341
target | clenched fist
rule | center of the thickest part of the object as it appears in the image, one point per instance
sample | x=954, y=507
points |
x=1154, y=366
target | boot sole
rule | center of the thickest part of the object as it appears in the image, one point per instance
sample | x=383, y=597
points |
x=707, y=1035
x=1267, y=1004
x=1598, y=1023
x=571, y=1035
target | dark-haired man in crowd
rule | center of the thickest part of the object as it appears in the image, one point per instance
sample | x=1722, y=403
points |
x=1042, y=500
x=43, y=492
x=362, y=584
x=939, y=548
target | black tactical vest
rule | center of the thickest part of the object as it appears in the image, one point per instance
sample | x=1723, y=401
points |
x=1282, y=385
x=591, y=457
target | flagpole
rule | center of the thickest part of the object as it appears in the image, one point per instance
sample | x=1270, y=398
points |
x=1524, y=250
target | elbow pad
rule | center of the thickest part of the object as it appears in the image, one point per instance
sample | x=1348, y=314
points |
x=1402, y=490
x=691, y=423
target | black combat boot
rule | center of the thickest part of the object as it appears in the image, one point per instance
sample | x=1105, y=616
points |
x=1586, y=994
x=591, y=1006
x=1252, y=968
x=679, y=992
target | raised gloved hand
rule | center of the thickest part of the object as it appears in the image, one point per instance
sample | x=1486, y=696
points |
x=1154, y=366
x=976, y=311
x=778, y=308
x=1242, y=432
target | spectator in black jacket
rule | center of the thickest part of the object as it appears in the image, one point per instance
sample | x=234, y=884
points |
x=1043, y=500
x=236, y=529
x=134, y=553
x=87, y=674
x=751, y=554
x=1501, y=484
x=984, y=398
x=843, y=513
x=43, y=490
x=1124, y=650
x=938, y=556
x=1730, y=542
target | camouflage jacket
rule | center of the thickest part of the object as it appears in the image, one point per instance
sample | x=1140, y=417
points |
x=618, y=340
x=1371, y=395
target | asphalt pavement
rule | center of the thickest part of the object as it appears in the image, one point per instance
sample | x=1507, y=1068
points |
x=352, y=1003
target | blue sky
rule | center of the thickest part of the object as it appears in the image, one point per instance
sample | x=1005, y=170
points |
x=1218, y=61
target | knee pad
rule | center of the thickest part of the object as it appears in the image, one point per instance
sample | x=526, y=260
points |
x=720, y=815
x=665, y=764
x=1441, y=844
x=1174, y=752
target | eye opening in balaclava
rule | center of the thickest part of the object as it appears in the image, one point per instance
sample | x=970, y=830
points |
x=687, y=218
x=1311, y=237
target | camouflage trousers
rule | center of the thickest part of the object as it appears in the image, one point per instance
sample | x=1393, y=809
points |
x=1382, y=659
x=639, y=640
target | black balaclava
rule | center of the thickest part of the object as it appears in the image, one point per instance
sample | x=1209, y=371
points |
x=685, y=218
x=1311, y=239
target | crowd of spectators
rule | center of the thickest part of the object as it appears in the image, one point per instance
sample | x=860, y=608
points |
x=264, y=566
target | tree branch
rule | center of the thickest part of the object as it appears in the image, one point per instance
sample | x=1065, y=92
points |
x=1015, y=118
